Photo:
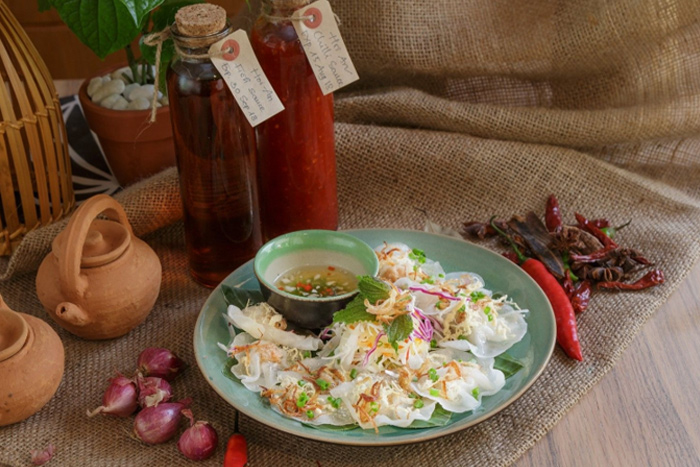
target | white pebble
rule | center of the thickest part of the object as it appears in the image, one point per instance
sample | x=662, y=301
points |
x=109, y=101
x=145, y=91
x=112, y=87
x=94, y=85
x=117, y=74
x=139, y=103
x=129, y=89
x=120, y=104
x=106, y=79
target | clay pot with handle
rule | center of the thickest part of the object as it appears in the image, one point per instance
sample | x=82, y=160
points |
x=100, y=281
x=31, y=365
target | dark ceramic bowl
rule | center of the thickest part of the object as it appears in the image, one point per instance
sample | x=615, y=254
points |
x=311, y=248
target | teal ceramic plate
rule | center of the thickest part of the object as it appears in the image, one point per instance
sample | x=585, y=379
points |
x=500, y=275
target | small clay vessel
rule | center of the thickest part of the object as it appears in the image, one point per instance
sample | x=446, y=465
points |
x=31, y=365
x=99, y=281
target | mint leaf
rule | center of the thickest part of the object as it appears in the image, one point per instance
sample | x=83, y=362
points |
x=355, y=311
x=399, y=329
x=226, y=370
x=507, y=364
x=373, y=289
x=103, y=25
x=241, y=297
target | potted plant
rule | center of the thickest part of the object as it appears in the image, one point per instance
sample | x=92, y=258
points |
x=135, y=148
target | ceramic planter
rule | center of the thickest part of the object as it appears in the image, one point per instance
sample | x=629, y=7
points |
x=100, y=281
x=135, y=148
x=31, y=365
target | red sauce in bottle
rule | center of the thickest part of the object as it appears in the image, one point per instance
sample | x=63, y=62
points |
x=215, y=149
x=296, y=148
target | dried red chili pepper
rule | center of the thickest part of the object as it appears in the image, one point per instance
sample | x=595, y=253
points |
x=581, y=296
x=650, y=279
x=567, y=333
x=586, y=225
x=600, y=223
x=599, y=255
x=552, y=215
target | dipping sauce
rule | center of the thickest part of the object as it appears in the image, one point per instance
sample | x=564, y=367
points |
x=317, y=281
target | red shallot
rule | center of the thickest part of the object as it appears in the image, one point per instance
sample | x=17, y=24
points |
x=160, y=362
x=157, y=424
x=43, y=456
x=199, y=441
x=153, y=391
x=120, y=399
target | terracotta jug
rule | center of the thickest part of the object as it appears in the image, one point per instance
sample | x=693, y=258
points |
x=100, y=281
x=31, y=364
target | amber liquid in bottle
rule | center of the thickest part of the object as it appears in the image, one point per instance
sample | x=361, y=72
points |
x=215, y=149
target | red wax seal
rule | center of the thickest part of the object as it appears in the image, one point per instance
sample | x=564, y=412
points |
x=315, y=20
x=231, y=49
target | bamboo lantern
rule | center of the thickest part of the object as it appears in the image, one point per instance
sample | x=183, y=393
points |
x=35, y=176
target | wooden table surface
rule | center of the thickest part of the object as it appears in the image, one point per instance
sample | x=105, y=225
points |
x=646, y=411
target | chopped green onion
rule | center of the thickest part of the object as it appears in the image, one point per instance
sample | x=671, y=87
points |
x=487, y=310
x=418, y=404
x=373, y=407
x=417, y=255
x=462, y=309
x=462, y=337
x=302, y=400
x=433, y=375
x=310, y=413
x=428, y=280
x=301, y=382
x=412, y=395
x=433, y=344
x=353, y=373
x=475, y=393
x=306, y=354
x=334, y=401
x=441, y=276
x=323, y=384
x=476, y=296
x=435, y=393
x=490, y=317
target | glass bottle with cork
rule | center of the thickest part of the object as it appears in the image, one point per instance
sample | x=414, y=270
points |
x=215, y=148
x=296, y=148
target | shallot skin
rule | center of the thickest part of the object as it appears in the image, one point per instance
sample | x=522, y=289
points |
x=158, y=424
x=198, y=442
x=153, y=391
x=160, y=362
x=120, y=399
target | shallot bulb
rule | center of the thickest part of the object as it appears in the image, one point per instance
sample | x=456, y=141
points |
x=159, y=362
x=199, y=441
x=120, y=399
x=153, y=391
x=157, y=424
x=41, y=457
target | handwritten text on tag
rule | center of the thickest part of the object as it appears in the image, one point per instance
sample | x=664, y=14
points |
x=325, y=49
x=233, y=56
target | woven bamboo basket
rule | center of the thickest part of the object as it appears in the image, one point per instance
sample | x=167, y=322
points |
x=35, y=175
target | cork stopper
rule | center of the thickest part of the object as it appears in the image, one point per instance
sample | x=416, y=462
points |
x=201, y=19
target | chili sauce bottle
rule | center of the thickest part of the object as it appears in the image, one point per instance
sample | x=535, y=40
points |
x=215, y=148
x=296, y=148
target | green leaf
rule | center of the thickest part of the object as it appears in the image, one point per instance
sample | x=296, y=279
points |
x=355, y=311
x=226, y=370
x=140, y=9
x=507, y=364
x=103, y=25
x=399, y=329
x=241, y=297
x=373, y=289
x=440, y=417
x=45, y=5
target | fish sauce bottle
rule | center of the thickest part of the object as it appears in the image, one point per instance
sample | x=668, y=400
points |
x=296, y=148
x=215, y=148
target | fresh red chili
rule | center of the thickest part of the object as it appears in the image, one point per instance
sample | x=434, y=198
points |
x=567, y=332
x=588, y=226
x=581, y=296
x=552, y=216
x=650, y=279
x=236, y=449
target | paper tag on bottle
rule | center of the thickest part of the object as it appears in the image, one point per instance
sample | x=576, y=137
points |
x=320, y=37
x=233, y=56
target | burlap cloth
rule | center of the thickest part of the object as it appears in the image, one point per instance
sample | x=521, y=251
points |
x=465, y=109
